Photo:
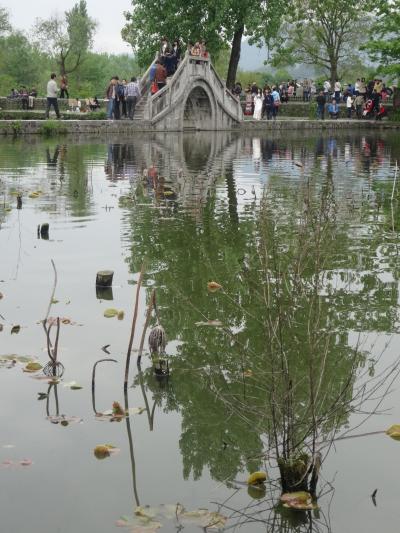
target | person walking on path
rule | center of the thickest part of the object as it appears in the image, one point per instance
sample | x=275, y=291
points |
x=132, y=96
x=52, y=90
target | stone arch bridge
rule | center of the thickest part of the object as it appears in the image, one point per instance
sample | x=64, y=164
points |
x=194, y=98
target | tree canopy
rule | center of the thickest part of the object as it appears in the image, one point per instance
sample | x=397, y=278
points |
x=384, y=45
x=322, y=33
x=222, y=24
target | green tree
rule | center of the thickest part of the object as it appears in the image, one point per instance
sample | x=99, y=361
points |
x=222, y=24
x=19, y=60
x=384, y=46
x=322, y=33
x=68, y=39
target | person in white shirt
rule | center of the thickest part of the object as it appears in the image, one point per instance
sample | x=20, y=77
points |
x=349, y=105
x=327, y=87
x=52, y=91
x=337, y=89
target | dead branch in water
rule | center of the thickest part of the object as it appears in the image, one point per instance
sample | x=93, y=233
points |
x=134, y=319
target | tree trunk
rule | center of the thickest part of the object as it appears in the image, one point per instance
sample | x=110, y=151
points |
x=235, y=56
x=334, y=72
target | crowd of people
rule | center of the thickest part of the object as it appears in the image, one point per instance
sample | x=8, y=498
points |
x=363, y=99
x=25, y=95
x=168, y=60
x=123, y=96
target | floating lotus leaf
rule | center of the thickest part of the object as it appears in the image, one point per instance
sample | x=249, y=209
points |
x=118, y=410
x=73, y=385
x=394, y=432
x=105, y=450
x=33, y=367
x=214, y=323
x=256, y=491
x=256, y=478
x=111, y=313
x=300, y=500
x=101, y=451
x=213, y=286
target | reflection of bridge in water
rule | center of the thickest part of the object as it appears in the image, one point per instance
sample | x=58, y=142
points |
x=195, y=97
x=192, y=163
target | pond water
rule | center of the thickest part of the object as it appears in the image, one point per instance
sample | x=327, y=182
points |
x=187, y=208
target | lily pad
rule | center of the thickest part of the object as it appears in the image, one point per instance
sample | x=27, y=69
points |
x=111, y=313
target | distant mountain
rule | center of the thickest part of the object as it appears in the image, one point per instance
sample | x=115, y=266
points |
x=252, y=58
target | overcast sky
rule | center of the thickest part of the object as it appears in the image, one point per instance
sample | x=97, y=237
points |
x=108, y=15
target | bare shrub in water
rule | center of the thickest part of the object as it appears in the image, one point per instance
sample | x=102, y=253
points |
x=308, y=375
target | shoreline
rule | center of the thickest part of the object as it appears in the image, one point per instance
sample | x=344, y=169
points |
x=54, y=127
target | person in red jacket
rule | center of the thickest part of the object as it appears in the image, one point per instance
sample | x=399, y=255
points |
x=161, y=75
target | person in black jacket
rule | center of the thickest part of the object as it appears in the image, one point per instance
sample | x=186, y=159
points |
x=321, y=105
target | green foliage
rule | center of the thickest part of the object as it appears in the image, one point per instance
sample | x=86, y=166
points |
x=323, y=33
x=384, y=44
x=67, y=40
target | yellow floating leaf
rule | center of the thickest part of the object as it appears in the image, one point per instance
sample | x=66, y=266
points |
x=110, y=313
x=256, y=478
x=394, y=432
x=120, y=315
x=213, y=286
x=33, y=367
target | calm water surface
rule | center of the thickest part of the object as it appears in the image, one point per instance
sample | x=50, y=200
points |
x=198, y=223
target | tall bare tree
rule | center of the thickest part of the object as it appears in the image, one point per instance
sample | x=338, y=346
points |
x=67, y=39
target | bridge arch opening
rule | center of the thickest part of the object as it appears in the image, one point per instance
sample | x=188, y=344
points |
x=198, y=113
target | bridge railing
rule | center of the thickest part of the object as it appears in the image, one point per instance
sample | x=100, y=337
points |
x=145, y=81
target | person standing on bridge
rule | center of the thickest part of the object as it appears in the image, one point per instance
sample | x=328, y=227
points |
x=132, y=96
x=161, y=75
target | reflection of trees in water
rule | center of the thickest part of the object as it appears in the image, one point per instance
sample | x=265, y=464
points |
x=279, y=378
